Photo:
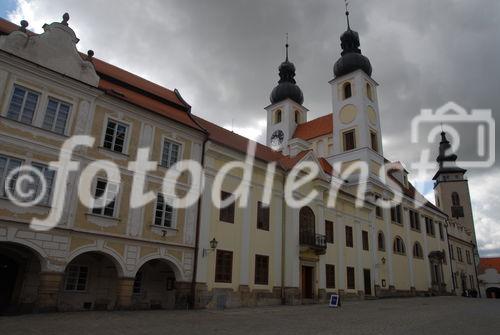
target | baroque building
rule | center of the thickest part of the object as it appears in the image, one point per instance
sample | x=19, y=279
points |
x=114, y=255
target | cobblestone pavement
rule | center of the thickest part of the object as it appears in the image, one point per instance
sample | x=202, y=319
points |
x=438, y=315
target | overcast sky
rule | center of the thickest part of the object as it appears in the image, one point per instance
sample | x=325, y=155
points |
x=223, y=56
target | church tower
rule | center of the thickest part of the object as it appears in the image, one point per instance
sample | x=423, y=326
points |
x=451, y=188
x=286, y=110
x=356, y=121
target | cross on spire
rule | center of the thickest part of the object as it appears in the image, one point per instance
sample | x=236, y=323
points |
x=347, y=13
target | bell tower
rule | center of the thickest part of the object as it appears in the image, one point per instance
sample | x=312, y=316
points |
x=451, y=188
x=286, y=110
x=356, y=121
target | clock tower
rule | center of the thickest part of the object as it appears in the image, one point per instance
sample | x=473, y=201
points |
x=285, y=111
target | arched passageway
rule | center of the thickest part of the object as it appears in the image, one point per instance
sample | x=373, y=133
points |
x=19, y=278
x=90, y=283
x=155, y=286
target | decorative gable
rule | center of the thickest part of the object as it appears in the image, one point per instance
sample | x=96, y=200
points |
x=55, y=49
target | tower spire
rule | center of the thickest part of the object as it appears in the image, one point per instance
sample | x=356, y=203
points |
x=347, y=14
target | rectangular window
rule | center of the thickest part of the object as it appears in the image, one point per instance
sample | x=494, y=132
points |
x=36, y=187
x=329, y=231
x=7, y=164
x=261, y=270
x=459, y=254
x=262, y=216
x=452, y=253
x=378, y=209
x=22, y=104
x=429, y=227
x=164, y=212
x=364, y=235
x=348, y=237
x=226, y=214
x=441, y=231
x=76, y=278
x=396, y=214
x=105, y=192
x=349, y=140
x=330, y=276
x=374, y=141
x=170, y=154
x=56, y=116
x=115, y=136
x=224, y=266
x=414, y=220
x=351, y=283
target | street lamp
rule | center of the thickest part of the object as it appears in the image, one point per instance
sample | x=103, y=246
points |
x=213, y=245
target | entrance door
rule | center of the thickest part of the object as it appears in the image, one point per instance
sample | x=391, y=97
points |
x=307, y=282
x=8, y=275
x=368, y=282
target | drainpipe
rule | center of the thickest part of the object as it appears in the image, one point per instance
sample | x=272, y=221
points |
x=449, y=256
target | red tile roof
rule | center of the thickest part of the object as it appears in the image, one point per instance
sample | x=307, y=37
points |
x=488, y=263
x=318, y=127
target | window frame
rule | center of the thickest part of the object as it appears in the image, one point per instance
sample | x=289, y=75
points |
x=263, y=216
x=261, y=278
x=399, y=248
x=66, y=277
x=418, y=251
x=380, y=233
x=126, y=140
x=180, y=153
x=374, y=140
x=330, y=276
x=167, y=201
x=414, y=220
x=27, y=89
x=5, y=172
x=344, y=142
x=397, y=215
x=349, y=237
x=365, y=238
x=329, y=231
x=345, y=86
x=350, y=272
x=115, y=201
x=68, y=119
x=226, y=276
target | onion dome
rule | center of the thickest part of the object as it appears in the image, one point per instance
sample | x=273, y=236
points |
x=446, y=161
x=351, y=58
x=287, y=87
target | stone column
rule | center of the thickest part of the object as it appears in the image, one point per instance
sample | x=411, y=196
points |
x=124, y=291
x=48, y=291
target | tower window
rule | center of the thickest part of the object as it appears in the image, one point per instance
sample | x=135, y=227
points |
x=369, y=92
x=349, y=140
x=297, y=117
x=347, y=90
x=455, y=199
x=277, y=116
x=374, y=141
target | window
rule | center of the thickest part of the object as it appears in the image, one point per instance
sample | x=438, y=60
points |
x=170, y=153
x=224, y=266
x=262, y=216
x=76, y=278
x=369, y=92
x=467, y=256
x=452, y=252
x=36, y=187
x=351, y=283
x=7, y=164
x=277, y=116
x=56, y=116
x=373, y=140
x=378, y=210
x=441, y=231
x=396, y=214
x=22, y=104
x=457, y=211
x=297, y=117
x=459, y=255
x=381, y=241
x=364, y=237
x=329, y=231
x=226, y=214
x=164, y=212
x=399, y=246
x=347, y=90
x=455, y=199
x=417, y=250
x=330, y=276
x=115, y=136
x=444, y=257
x=349, y=140
x=429, y=227
x=137, y=283
x=348, y=237
x=261, y=270
x=105, y=192
x=414, y=220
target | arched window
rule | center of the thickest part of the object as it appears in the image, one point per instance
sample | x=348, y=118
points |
x=277, y=116
x=455, y=199
x=297, y=117
x=307, y=222
x=417, y=250
x=381, y=241
x=399, y=246
x=347, y=90
x=369, y=92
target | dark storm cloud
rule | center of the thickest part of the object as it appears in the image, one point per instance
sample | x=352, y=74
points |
x=223, y=56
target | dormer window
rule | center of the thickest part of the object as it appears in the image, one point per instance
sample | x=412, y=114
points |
x=347, y=90
x=277, y=116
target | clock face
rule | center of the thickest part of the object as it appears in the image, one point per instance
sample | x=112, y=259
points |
x=277, y=139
